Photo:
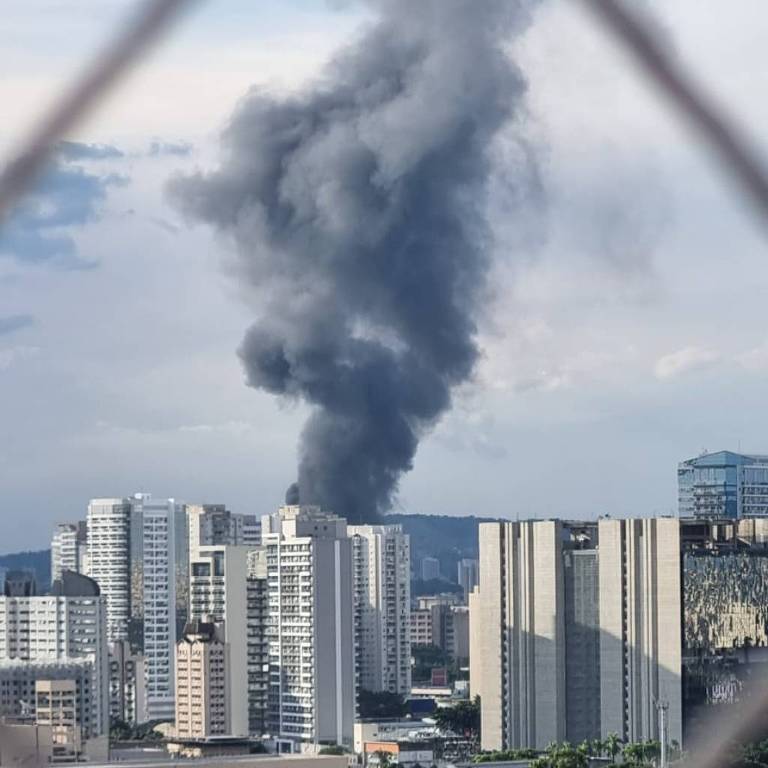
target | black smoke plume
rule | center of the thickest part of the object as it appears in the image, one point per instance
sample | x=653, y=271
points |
x=358, y=212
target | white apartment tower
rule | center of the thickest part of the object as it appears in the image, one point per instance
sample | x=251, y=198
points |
x=258, y=650
x=69, y=547
x=109, y=553
x=138, y=550
x=218, y=594
x=44, y=636
x=311, y=629
x=382, y=570
x=163, y=572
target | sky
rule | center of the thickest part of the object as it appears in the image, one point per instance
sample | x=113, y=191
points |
x=625, y=330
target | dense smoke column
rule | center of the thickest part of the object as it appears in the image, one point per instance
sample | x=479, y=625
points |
x=357, y=210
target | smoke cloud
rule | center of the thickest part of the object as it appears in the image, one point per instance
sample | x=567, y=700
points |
x=357, y=208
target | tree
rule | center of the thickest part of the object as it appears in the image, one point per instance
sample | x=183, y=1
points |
x=462, y=718
x=561, y=756
x=332, y=749
x=641, y=753
x=612, y=746
x=384, y=758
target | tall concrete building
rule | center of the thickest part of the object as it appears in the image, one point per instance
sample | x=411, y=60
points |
x=311, y=631
x=215, y=525
x=723, y=485
x=219, y=594
x=582, y=643
x=203, y=700
x=69, y=549
x=382, y=569
x=139, y=555
x=109, y=553
x=442, y=621
x=517, y=637
x=640, y=627
x=64, y=631
x=467, y=575
x=576, y=631
x=161, y=576
x=430, y=568
x=257, y=597
x=127, y=685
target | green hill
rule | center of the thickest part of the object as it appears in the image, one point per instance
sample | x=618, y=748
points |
x=39, y=562
x=449, y=539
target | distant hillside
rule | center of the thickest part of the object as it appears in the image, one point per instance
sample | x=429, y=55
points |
x=449, y=539
x=39, y=562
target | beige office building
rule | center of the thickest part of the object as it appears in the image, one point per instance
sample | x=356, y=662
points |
x=517, y=638
x=640, y=627
x=202, y=695
x=575, y=631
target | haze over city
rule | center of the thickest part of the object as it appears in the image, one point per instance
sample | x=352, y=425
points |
x=625, y=331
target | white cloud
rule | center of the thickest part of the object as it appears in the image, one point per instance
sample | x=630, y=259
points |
x=685, y=360
x=755, y=359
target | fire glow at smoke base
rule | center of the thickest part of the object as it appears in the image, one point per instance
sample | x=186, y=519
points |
x=357, y=209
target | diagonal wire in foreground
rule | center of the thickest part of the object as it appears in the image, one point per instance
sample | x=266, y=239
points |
x=154, y=18
x=721, y=132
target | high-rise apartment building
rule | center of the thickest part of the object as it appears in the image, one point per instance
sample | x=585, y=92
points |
x=219, y=594
x=139, y=555
x=109, y=553
x=311, y=630
x=69, y=549
x=257, y=596
x=723, y=485
x=467, y=576
x=203, y=694
x=162, y=576
x=127, y=686
x=441, y=621
x=576, y=631
x=382, y=571
x=65, y=630
x=430, y=568
x=215, y=525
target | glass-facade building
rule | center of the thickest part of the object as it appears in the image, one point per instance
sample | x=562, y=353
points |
x=723, y=485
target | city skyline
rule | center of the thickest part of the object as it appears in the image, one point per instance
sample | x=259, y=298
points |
x=596, y=349
x=383, y=383
x=67, y=528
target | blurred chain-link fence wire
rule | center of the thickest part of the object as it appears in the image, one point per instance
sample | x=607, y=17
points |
x=148, y=25
x=632, y=28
